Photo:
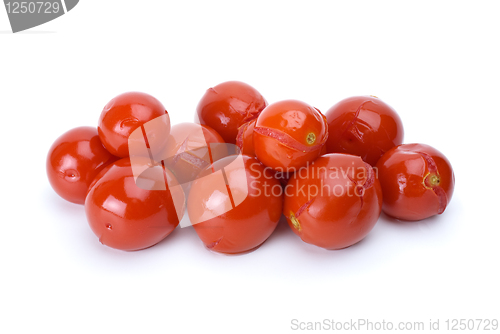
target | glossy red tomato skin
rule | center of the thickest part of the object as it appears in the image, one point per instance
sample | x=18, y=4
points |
x=122, y=115
x=244, y=141
x=405, y=172
x=245, y=227
x=229, y=105
x=126, y=217
x=333, y=212
x=73, y=161
x=364, y=126
x=289, y=134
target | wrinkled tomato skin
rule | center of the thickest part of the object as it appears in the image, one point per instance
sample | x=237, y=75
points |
x=73, y=161
x=122, y=115
x=363, y=126
x=245, y=144
x=187, y=150
x=244, y=140
x=126, y=217
x=228, y=106
x=403, y=172
x=325, y=204
x=289, y=134
x=246, y=226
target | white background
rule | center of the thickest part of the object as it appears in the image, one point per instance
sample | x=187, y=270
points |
x=436, y=63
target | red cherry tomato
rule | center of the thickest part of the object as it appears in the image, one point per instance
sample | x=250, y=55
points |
x=74, y=160
x=244, y=140
x=229, y=105
x=289, y=134
x=245, y=145
x=364, y=126
x=235, y=205
x=122, y=115
x=124, y=216
x=334, y=202
x=191, y=148
x=417, y=181
x=98, y=177
x=323, y=150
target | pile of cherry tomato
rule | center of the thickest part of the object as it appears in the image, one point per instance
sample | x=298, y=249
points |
x=243, y=165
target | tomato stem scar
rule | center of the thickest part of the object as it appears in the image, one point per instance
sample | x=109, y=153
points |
x=295, y=221
x=311, y=138
x=431, y=180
